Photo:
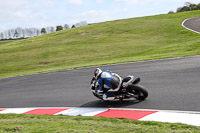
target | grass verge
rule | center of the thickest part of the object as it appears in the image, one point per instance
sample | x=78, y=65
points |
x=63, y=124
x=135, y=39
x=6, y=41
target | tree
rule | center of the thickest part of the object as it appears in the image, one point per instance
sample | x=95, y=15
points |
x=170, y=12
x=66, y=26
x=38, y=32
x=188, y=7
x=187, y=3
x=12, y=31
x=9, y=34
x=82, y=23
x=23, y=33
x=16, y=34
x=73, y=26
x=33, y=32
x=49, y=29
x=6, y=34
x=183, y=9
x=193, y=7
x=59, y=27
x=1, y=36
x=26, y=33
x=19, y=31
x=198, y=6
x=179, y=9
x=43, y=31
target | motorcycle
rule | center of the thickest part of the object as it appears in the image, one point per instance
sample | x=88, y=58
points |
x=129, y=89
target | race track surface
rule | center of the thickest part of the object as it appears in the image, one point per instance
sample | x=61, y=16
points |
x=173, y=84
x=192, y=24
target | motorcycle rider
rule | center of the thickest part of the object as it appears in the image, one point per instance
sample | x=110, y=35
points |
x=107, y=82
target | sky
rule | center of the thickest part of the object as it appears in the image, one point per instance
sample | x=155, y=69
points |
x=44, y=13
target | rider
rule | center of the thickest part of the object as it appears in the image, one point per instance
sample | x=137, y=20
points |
x=106, y=80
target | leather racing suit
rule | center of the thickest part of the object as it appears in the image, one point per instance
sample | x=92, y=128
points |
x=111, y=82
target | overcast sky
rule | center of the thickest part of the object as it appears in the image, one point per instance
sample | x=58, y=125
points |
x=43, y=13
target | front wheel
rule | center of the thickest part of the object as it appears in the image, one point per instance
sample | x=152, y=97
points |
x=139, y=92
x=97, y=96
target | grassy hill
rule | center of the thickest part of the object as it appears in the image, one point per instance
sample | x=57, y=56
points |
x=135, y=39
x=10, y=123
x=6, y=41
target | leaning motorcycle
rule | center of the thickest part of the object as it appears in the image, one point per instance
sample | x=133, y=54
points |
x=129, y=89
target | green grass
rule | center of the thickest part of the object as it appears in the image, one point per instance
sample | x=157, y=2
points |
x=63, y=124
x=6, y=41
x=135, y=39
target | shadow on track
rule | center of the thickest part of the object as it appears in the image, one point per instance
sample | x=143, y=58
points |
x=110, y=104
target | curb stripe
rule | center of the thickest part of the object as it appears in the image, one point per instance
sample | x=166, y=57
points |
x=128, y=114
x=45, y=111
x=15, y=110
x=82, y=111
x=174, y=117
x=185, y=117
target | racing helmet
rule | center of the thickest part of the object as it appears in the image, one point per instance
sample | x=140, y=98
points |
x=97, y=73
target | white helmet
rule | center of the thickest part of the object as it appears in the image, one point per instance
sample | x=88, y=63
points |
x=97, y=73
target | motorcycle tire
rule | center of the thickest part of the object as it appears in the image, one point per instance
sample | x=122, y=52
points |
x=139, y=91
x=97, y=96
x=92, y=80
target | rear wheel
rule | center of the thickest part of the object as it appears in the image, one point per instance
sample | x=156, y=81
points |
x=139, y=92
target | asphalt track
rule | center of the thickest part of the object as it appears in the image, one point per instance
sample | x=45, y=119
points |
x=192, y=24
x=173, y=84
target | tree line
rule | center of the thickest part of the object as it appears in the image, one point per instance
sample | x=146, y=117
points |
x=21, y=33
x=187, y=7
